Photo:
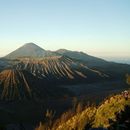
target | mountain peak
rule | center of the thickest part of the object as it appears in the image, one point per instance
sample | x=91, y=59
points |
x=31, y=44
x=27, y=50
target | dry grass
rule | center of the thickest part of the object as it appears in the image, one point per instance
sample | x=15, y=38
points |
x=107, y=111
x=91, y=116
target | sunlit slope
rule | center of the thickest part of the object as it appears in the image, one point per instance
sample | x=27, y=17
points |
x=79, y=121
x=20, y=85
x=107, y=112
x=15, y=84
x=100, y=116
x=57, y=67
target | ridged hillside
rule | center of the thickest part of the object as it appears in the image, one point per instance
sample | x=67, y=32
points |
x=15, y=84
x=32, y=51
x=57, y=67
x=20, y=85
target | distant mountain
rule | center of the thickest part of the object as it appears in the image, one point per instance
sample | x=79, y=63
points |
x=90, y=60
x=29, y=50
x=113, y=69
x=34, y=51
x=31, y=72
x=55, y=64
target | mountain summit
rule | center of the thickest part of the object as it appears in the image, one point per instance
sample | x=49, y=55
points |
x=28, y=50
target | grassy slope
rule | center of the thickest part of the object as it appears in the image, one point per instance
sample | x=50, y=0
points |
x=107, y=110
x=93, y=116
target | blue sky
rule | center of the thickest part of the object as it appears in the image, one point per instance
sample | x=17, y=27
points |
x=97, y=27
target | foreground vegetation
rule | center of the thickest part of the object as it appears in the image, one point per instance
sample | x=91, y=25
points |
x=113, y=113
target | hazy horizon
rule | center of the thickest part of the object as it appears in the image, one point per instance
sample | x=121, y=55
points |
x=99, y=28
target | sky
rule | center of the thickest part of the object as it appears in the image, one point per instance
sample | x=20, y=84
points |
x=97, y=27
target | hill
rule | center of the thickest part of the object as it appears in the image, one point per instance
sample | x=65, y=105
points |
x=28, y=50
x=16, y=84
x=114, y=70
x=89, y=60
x=105, y=115
x=31, y=50
x=22, y=85
x=62, y=67
x=58, y=68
